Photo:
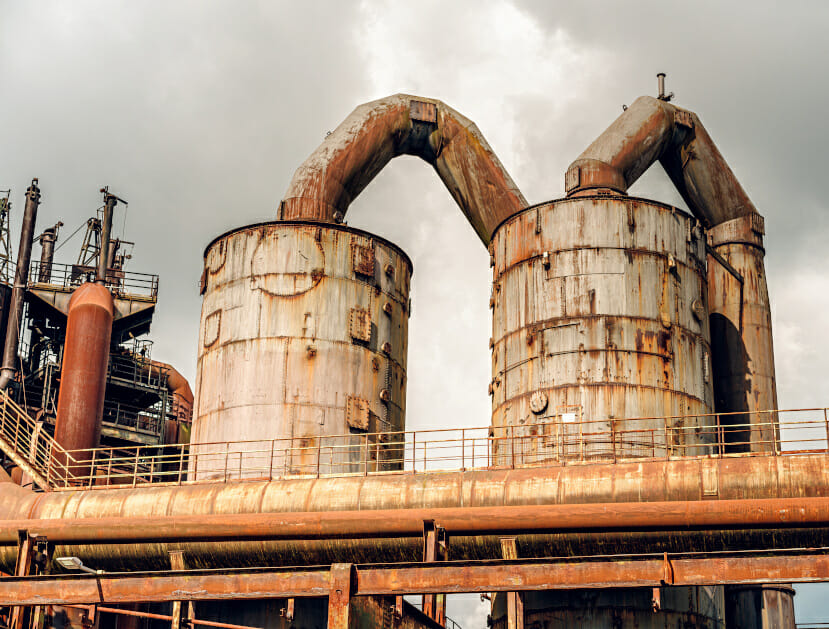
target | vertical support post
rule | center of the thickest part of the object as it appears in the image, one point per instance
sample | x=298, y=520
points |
x=512, y=446
x=339, y=598
x=776, y=447
x=33, y=555
x=515, y=600
x=183, y=611
x=110, y=201
x=414, y=450
x=435, y=548
x=826, y=423
x=21, y=280
x=463, y=449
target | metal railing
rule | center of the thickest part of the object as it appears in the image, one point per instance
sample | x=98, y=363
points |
x=137, y=371
x=553, y=443
x=25, y=442
x=68, y=276
x=145, y=419
x=550, y=444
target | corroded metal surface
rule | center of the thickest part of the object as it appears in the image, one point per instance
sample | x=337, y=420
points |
x=84, y=371
x=741, y=329
x=21, y=274
x=599, y=313
x=399, y=523
x=797, y=476
x=650, y=130
x=454, y=577
x=303, y=335
x=374, y=133
x=769, y=606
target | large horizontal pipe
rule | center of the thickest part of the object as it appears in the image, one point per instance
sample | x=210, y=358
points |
x=451, y=577
x=663, y=516
x=712, y=480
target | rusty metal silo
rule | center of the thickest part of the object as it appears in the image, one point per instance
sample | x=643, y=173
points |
x=600, y=315
x=303, y=336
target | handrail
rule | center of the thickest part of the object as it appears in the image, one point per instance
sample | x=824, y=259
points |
x=31, y=448
x=121, y=283
x=553, y=443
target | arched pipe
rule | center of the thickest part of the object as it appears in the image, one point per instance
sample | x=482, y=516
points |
x=374, y=133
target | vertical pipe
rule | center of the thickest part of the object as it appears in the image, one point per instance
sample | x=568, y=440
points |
x=83, y=372
x=661, y=79
x=21, y=276
x=106, y=231
x=47, y=254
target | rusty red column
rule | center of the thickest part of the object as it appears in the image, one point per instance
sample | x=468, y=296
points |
x=83, y=373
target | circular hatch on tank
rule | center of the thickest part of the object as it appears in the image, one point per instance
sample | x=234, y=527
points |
x=298, y=257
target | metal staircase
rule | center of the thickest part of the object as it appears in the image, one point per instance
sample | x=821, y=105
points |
x=29, y=446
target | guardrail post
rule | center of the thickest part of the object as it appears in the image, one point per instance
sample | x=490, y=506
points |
x=826, y=423
x=463, y=448
x=512, y=446
x=227, y=457
x=414, y=451
x=92, y=467
x=339, y=597
x=774, y=441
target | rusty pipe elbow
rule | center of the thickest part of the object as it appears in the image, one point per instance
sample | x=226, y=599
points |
x=625, y=150
x=351, y=156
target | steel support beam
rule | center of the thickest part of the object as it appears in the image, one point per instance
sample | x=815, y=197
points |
x=435, y=548
x=339, y=596
x=420, y=578
x=515, y=600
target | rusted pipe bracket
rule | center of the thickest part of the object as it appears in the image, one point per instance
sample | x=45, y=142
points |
x=667, y=570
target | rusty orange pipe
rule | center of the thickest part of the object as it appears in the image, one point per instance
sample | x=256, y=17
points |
x=650, y=130
x=632, y=516
x=374, y=133
x=83, y=371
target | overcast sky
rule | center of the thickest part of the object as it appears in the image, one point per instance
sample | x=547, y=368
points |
x=198, y=114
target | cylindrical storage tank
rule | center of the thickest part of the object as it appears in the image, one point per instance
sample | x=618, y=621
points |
x=601, y=351
x=83, y=372
x=763, y=606
x=302, y=352
x=599, y=316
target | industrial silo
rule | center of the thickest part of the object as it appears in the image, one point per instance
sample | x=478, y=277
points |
x=600, y=316
x=302, y=352
x=600, y=352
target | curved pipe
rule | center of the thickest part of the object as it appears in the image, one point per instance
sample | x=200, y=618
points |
x=374, y=133
x=650, y=130
x=179, y=389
